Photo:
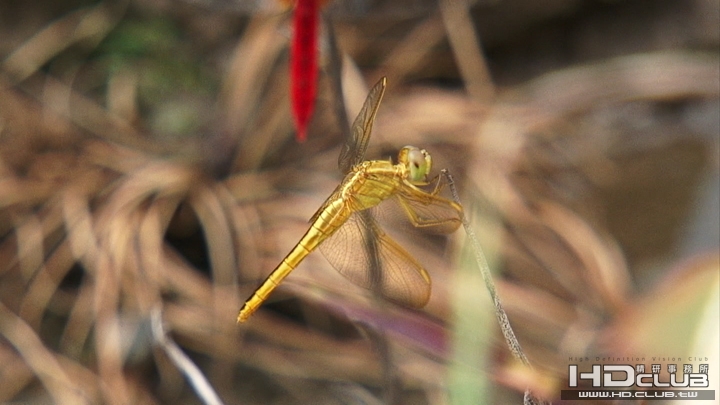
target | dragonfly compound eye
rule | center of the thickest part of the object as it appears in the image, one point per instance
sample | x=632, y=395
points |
x=419, y=164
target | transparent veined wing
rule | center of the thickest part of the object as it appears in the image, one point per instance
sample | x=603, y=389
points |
x=353, y=151
x=370, y=258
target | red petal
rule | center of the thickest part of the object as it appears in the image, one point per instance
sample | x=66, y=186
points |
x=303, y=64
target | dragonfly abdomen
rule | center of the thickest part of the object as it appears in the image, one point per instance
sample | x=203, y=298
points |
x=331, y=218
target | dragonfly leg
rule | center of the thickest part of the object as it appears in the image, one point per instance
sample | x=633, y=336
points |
x=438, y=184
x=445, y=224
x=440, y=181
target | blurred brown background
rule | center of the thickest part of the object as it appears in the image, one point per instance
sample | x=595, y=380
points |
x=148, y=171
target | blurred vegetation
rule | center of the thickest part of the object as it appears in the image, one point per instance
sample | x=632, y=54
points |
x=148, y=171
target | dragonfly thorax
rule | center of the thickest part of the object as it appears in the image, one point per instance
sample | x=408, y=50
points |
x=417, y=162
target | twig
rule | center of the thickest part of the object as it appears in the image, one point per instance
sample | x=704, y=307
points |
x=500, y=315
x=198, y=381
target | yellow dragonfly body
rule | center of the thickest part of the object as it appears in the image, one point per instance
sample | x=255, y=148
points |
x=351, y=239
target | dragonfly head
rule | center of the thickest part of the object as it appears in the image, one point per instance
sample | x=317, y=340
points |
x=417, y=162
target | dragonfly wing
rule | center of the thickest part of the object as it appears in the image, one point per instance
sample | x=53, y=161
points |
x=370, y=258
x=353, y=151
x=430, y=212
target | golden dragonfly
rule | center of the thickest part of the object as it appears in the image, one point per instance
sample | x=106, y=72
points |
x=349, y=236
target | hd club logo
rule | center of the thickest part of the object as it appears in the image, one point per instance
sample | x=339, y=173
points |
x=626, y=376
x=613, y=381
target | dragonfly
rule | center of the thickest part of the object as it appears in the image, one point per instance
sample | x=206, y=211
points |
x=350, y=237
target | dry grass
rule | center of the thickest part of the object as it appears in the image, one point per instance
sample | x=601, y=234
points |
x=160, y=178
